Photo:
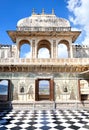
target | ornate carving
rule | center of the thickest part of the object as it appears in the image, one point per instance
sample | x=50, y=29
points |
x=22, y=86
x=58, y=92
x=31, y=92
x=72, y=95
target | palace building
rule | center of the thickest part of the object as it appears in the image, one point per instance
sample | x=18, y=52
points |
x=57, y=78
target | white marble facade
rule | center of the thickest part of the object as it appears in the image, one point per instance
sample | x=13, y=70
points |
x=43, y=31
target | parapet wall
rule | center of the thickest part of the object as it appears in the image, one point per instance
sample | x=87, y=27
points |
x=80, y=51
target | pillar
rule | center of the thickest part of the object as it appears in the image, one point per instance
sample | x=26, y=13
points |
x=79, y=96
x=54, y=49
x=71, y=51
x=18, y=48
x=33, y=49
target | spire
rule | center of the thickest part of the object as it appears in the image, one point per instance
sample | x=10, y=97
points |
x=53, y=11
x=43, y=11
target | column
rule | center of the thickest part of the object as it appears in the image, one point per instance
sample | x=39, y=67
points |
x=51, y=56
x=71, y=52
x=79, y=93
x=33, y=49
x=18, y=49
x=54, y=49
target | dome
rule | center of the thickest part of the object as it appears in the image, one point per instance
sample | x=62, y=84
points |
x=43, y=20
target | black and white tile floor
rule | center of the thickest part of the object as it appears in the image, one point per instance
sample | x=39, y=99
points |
x=44, y=120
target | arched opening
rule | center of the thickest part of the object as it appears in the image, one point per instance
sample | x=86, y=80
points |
x=22, y=90
x=4, y=88
x=43, y=53
x=84, y=90
x=63, y=47
x=44, y=49
x=24, y=49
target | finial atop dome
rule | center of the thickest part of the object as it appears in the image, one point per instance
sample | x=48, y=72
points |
x=43, y=11
x=53, y=11
x=33, y=11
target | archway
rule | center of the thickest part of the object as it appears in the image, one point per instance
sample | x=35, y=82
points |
x=24, y=49
x=63, y=49
x=84, y=90
x=43, y=53
x=4, y=90
x=44, y=49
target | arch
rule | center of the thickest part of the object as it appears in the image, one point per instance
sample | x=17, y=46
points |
x=44, y=49
x=22, y=90
x=84, y=89
x=22, y=87
x=63, y=49
x=24, y=49
x=4, y=90
x=83, y=84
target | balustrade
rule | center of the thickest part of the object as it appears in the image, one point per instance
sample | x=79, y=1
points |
x=40, y=61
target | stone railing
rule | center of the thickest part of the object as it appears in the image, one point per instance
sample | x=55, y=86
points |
x=66, y=61
x=43, y=29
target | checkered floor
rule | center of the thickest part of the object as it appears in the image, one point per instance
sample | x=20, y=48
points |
x=44, y=120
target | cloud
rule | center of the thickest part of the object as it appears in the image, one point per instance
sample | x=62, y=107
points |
x=79, y=16
x=75, y=29
x=43, y=53
x=4, y=82
x=27, y=55
x=62, y=51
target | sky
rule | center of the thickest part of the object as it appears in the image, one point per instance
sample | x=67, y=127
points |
x=3, y=90
x=76, y=11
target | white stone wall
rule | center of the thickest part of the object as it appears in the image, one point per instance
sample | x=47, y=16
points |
x=65, y=89
x=8, y=51
x=80, y=51
x=65, y=85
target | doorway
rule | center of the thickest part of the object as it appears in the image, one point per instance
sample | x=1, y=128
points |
x=4, y=90
x=44, y=90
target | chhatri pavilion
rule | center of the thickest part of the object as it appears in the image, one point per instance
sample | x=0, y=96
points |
x=50, y=80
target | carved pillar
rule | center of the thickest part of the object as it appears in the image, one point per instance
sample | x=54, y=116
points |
x=15, y=95
x=18, y=49
x=79, y=97
x=51, y=56
x=71, y=51
x=54, y=49
x=14, y=92
x=68, y=50
x=33, y=49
